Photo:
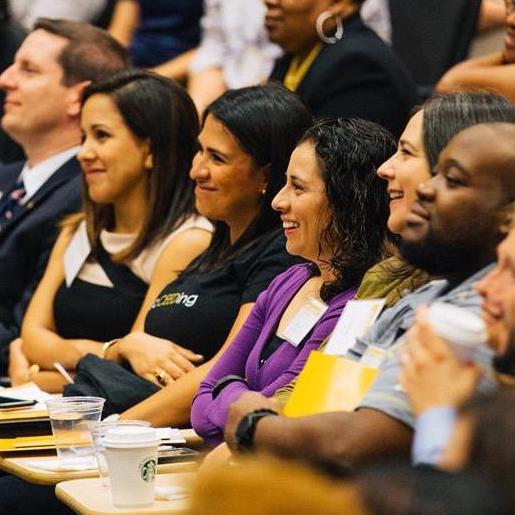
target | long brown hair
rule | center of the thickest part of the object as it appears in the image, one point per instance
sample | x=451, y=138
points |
x=160, y=110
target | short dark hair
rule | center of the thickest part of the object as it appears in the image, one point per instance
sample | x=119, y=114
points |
x=444, y=116
x=349, y=151
x=160, y=110
x=91, y=54
x=267, y=121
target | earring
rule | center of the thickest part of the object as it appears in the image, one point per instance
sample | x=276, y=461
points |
x=149, y=162
x=263, y=192
x=322, y=18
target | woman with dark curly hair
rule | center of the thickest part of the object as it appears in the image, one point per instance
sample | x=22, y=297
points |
x=334, y=211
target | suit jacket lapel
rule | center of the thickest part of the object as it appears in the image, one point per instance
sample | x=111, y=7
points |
x=9, y=175
x=62, y=175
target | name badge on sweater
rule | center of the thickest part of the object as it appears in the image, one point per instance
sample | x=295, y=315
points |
x=354, y=322
x=76, y=254
x=303, y=321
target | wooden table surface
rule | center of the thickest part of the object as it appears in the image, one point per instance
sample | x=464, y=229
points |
x=23, y=467
x=90, y=497
x=19, y=464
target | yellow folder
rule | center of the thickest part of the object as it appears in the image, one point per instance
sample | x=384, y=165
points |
x=329, y=383
x=26, y=443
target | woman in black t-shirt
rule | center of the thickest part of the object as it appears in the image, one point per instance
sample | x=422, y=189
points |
x=245, y=145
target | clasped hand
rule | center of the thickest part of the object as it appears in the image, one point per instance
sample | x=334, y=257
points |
x=156, y=359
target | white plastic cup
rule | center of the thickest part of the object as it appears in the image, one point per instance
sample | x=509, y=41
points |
x=71, y=419
x=98, y=432
x=463, y=331
x=131, y=454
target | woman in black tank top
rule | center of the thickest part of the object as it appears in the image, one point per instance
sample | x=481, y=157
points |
x=136, y=191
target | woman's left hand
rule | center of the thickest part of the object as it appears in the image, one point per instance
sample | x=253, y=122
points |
x=156, y=359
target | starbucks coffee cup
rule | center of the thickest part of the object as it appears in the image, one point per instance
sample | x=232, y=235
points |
x=463, y=331
x=131, y=455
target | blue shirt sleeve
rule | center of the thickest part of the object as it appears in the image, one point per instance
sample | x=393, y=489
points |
x=433, y=432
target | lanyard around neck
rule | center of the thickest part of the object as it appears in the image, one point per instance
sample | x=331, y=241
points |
x=298, y=69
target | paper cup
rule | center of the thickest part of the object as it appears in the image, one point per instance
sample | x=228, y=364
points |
x=98, y=432
x=464, y=331
x=131, y=454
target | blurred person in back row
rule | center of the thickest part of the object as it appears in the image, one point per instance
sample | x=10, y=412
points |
x=494, y=72
x=337, y=65
x=234, y=50
x=44, y=87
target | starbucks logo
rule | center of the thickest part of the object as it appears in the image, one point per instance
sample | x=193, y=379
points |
x=147, y=469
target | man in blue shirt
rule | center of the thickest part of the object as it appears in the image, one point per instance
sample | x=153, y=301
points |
x=437, y=383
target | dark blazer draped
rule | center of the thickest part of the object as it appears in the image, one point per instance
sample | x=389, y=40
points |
x=26, y=241
x=359, y=76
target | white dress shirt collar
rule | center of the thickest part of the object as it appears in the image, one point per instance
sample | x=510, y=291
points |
x=33, y=178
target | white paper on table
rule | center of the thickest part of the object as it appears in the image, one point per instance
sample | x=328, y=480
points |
x=54, y=465
x=170, y=435
x=171, y=493
x=27, y=392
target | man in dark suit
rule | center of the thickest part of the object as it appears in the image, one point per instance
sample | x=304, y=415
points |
x=43, y=90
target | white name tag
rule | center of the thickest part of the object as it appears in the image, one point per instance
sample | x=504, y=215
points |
x=76, y=254
x=354, y=322
x=303, y=321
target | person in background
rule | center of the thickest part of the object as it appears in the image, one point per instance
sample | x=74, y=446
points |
x=337, y=65
x=26, y=12
x=43, y=88
x=155, y=31
x=235, y=51
x=494, y=72
x=138, y=231
x=334, y=211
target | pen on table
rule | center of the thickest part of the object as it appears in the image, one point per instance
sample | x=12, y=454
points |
x=63, y=372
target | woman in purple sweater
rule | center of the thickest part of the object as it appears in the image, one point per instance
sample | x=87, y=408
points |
x=334, y=211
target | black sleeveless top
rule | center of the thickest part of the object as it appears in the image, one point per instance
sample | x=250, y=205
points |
x=100, y=313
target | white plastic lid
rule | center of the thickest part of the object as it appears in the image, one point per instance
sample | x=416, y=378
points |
x=131, y=437
x=457, y=325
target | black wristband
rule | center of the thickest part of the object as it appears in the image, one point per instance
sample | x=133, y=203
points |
x=247, y=427
x=224, y=381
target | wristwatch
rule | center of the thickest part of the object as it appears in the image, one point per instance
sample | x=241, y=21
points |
x=247, y=427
